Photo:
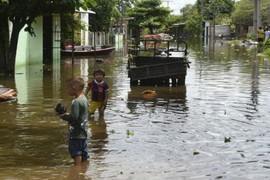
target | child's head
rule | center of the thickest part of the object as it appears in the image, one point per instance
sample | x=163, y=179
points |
x=99, y=74
x=99, y=71
x=75, y=86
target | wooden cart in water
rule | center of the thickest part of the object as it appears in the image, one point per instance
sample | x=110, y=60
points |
x=158, y=62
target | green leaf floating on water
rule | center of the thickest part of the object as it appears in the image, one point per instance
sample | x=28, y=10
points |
x=112, y=131
x=130, y=133
x=227, y=139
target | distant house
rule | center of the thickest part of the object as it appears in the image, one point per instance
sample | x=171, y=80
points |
x=220, y=30
x=92, y=38
x=223, y=30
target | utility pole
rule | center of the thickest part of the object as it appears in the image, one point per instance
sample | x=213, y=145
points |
x=256, y=15
x=168, y=2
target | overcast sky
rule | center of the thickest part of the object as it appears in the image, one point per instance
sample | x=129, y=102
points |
x=176, y=5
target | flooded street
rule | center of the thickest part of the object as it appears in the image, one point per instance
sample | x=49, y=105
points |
x=215, y=127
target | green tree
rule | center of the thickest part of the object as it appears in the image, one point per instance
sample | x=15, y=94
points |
x=106, y=14
x=124, y=5
x=72, y=25
x=210, y=9
x=148, y=14
x=243, y=13
x=169, y=23
x=22, y=13
x=192, y=20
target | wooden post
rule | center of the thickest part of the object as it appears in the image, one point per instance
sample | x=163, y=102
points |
x=72, y=45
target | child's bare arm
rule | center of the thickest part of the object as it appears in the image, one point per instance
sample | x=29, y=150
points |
x=106, y=97
x=87, y=91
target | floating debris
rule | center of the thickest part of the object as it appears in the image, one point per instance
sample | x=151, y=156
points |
x=130, y=133
x=227, y=139
x=149, y=95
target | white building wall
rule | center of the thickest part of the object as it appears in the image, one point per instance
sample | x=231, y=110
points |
x=223, y=30
x=85, y=32
x=119, y=42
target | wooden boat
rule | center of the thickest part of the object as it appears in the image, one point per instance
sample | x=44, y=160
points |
x=87, y=50
x=158, y=62
x=8, y=100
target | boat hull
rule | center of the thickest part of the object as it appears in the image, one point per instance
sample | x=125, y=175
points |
x=104, y=51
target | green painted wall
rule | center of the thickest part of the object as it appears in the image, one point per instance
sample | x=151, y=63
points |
x=30, y=48
x=29, y=62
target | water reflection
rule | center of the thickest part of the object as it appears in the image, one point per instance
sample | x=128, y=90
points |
x=178, y=135
x=99, y=135
x=254, y=88
x=169, y=98
x=23, y=78
x=78, y=172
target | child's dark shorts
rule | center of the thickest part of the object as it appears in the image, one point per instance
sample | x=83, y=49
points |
x=78, y=147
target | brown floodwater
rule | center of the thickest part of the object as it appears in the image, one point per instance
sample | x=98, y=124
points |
x=215, y=127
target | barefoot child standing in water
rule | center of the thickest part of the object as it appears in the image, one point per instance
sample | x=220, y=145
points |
x=99, y=92
x=77, y=120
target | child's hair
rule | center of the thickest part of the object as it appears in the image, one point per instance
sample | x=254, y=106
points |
x=99, y=71
x=76, y=81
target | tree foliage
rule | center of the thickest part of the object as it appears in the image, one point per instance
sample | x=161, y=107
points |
x=243, y=13
x=148, y=14
x=192, y=20
x=71, y=23
x=169, y=23
x=106, y=14
x=210, y=9
x=124, y=5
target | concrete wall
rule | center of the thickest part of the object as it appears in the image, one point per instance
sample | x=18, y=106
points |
x=29, y=60
x=29, y=66
x=223, y=30
x=219, y=30
x=30, y=49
